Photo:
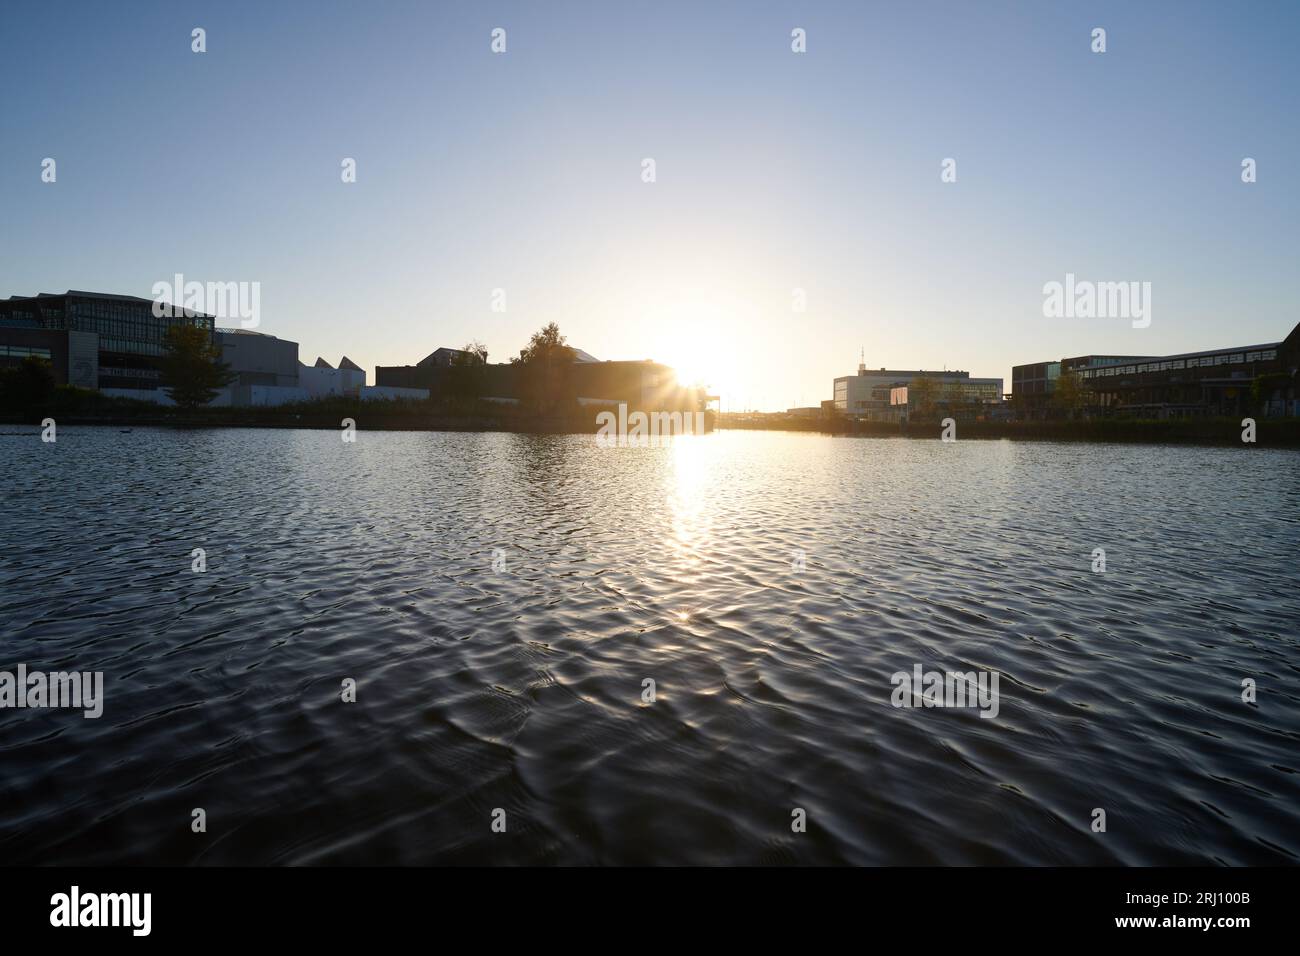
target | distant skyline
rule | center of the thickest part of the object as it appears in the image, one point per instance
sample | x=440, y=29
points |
x=775, y=171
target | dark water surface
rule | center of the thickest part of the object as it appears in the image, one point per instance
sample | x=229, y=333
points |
x=521, y=689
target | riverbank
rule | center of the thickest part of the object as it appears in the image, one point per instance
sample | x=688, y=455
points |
x=1269, y=432
x=79, y=407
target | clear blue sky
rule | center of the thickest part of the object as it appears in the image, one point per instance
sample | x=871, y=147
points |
x=775, y=170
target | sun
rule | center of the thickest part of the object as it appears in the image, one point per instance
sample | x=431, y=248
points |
x=706, y=336
x=699, y=358
x=691, y=368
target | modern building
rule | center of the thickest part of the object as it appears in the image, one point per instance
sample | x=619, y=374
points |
x=128, y=336
x=1033, y=385
x=114, y=343
x=872, y=394
x=961, y=398
x=1226, y=381
x=265, y=368
x=73, y=356
x=256, y=358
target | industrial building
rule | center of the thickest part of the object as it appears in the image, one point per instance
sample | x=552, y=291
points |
x=1216, y=382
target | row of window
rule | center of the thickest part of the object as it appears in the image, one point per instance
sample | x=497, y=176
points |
x=134, y=348
x=1205, y=361
x=138, y=328
x=110, y=310
x=23, y=351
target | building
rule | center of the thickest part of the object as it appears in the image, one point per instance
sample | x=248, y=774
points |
x=641, y=385
x=445, y=358
x=872, y=394
x=1215, y=382
x=323, y=380
x=128, y=337
x=980, y=398
x=256, y=358
x=114, y=343
x=73, y=356
x=1033, y=385
x=265, y=369
x=425, y=373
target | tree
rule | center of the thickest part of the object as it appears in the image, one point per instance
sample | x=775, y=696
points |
x=192, y=370
x=473, y=353
x=546, y=369
x=1069, y=395
x=921, y=393
x=546, y=346
x=28, y=387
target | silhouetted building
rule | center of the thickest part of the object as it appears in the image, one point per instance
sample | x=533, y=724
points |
x=424, y=373
x=643, y=385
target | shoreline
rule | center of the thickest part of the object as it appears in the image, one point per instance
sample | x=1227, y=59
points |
x=1270, y=433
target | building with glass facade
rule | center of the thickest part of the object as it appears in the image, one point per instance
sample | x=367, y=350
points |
x=871, y=394
x=1033, y=385
x=1226, y=381
x=129, y=336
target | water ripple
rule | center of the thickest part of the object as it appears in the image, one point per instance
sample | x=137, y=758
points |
x=767, y=584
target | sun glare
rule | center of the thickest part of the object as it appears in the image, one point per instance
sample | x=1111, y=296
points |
x=699, y=358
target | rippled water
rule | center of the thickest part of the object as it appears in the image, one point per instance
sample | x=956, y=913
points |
x=521, y=688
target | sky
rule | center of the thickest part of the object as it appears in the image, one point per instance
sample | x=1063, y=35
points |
x=775, y=171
